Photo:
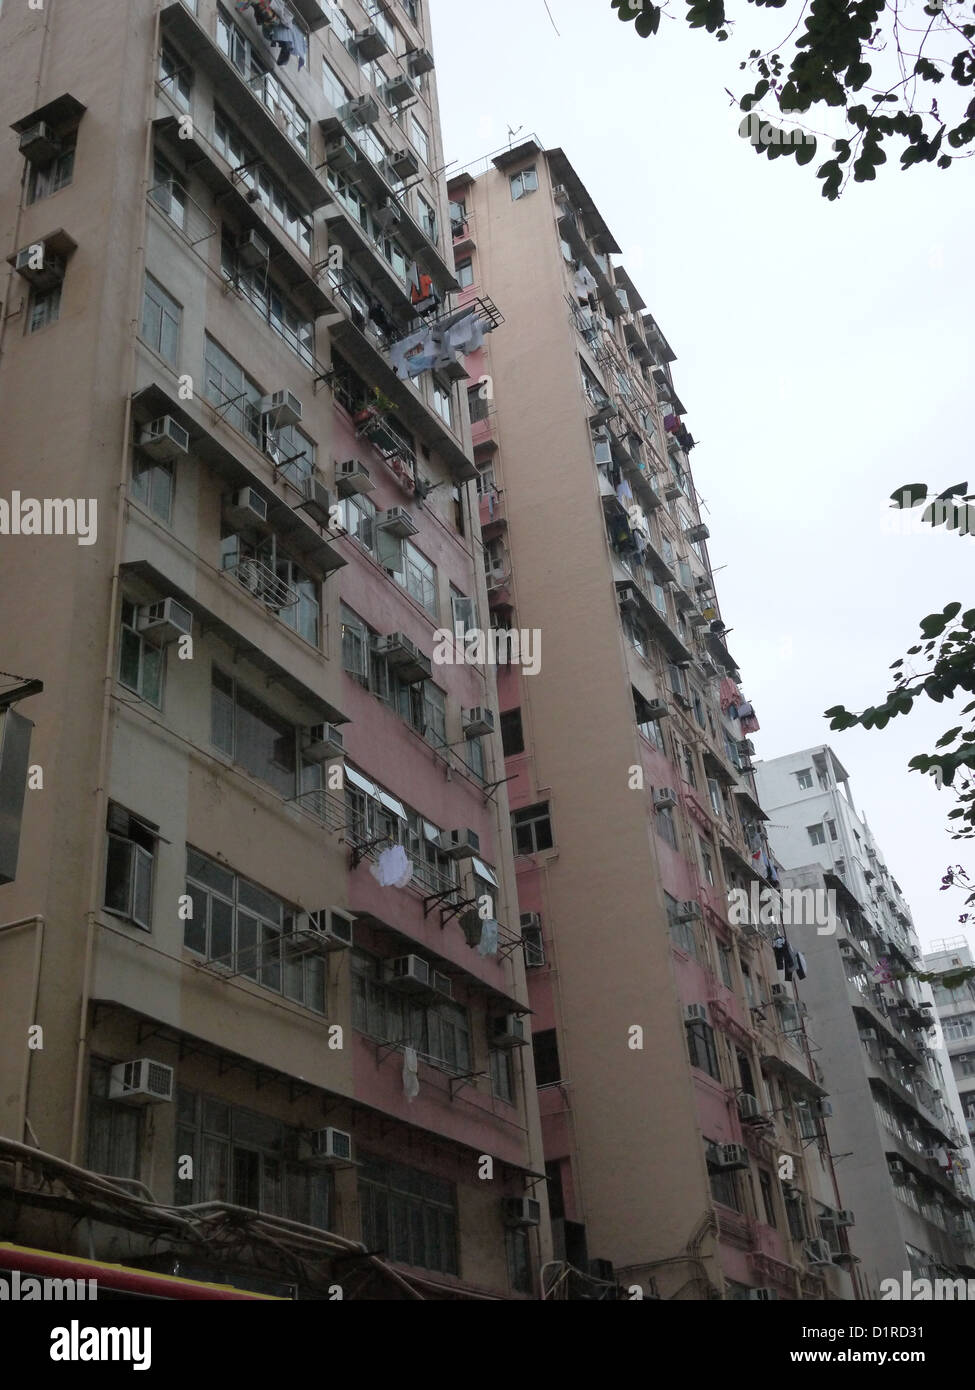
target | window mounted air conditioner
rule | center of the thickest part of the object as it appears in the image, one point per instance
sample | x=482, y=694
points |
x=396, y=522
x=824, y=1108
x=325, y=930
x=696, y=1013
x=370, y=44
x=410, y=974
x=362, y=110
x=656, y=709
x=316, y=500
x=248, y=510
x=351, y=476
x=404, y=658
x=818, y=1252
x=164, y=439
x=477, y=721
x=603, y=413
x=165, y=621
x=508, y=1031
x=326, y=1146
x=781, y=992
x=341, y=155
x=560, y=193
x=144, y=1081
x=253, y=250
x=749, y=1108
x=627, y=598
x=442, y=984
x=284, y=406
x=420, y=61
x=765, y=1294
x=39, y=144
x=532, y=940
x=321, y=742
x=868, y=1035
x=45, y=275
x=897, y=1166
x=603, y=450
x=698, y=533
x=405, y=164
x=521, y=1211
x=399, y=90
x=388, y=216
x=729, y=1157
x=689, y=911
x=664, y=796
x=458, y=844
x=845, y=1217
x=672, y=491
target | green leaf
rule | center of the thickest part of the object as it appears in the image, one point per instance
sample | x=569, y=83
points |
x=806, y=150
x=933, y=625
x=949, y=737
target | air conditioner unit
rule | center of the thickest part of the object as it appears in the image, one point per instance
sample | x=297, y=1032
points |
x=284, y=406
x=43, y=276
x=458, y=844
x=508, y=1031
x=696, y=1013
x=247, y=510
x=420, y=61
x=868, y=1035
x=325, y=930
x=665, y=796
x=144, y=1081
x=388, y=215
x=818, y=1252
x=689, y=911
x=781, y=992
x=398, y=90
x=627, y=598
x=39, y=144
x=370, y=44
x=603, y=413
x=326, y=1146
x=698, y=533
x=411, y=974
x=891, y=1054
x=560, y=192
x=845, y=1217
x=442, y=984
x=672, y=491
x=404, y=658
x=521, y=1211
x=164, y=439
x=341, y=155
x=477, y=721
x=763, y=1295
x=749, y=1108
x=165, y=621
x=824, y=1109
x=731, y=1156
x=321, y=742
x=362, y=110
x=253, y=250
x=532, y=940
x=656, y=709
x=397, y=522
x=405, y=164
x=351, y=476
x=897, y=1166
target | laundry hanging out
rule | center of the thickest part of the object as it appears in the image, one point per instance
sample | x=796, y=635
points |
x=278, y=26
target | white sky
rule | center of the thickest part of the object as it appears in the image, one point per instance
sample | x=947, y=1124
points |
x=822, y=357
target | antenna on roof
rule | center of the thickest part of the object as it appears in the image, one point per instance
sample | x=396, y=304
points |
x=512, y=133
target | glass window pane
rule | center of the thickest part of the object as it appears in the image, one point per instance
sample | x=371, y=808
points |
x=131, y=647
x=118, y=874
x=195, y=927
x=221, y=931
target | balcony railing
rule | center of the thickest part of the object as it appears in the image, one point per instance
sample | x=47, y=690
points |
x=262, y=582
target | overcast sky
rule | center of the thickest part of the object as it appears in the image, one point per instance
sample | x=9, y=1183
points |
x=822, y=357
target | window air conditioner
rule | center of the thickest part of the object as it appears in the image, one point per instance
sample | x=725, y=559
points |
x=845, y=1217
x=144, y=1081
x=411, y=974
x=247, y=510
x=253, y=250
x=698, y=533
x=321, y=742
x=868, y=1035
x=442, y=984
x=39, y=144
x=362, y=110
x=405, y=164
x=896, y=1166
x=824, y=1108
x=341, y=155
x=352, y=476
x=326, y=1146
x=749, y=1108
x=665, y=796
x=164, y=439
x=559, y=192
x=521, y=1211
x=420, y=61
x=43, y=276
x=508, y=1031
x=656, y=709
x=404, y=657
x=398, y=90
x=325, y=930
x=689, y=911
x=316, y=500
x=397, y=522
x=458, y=844
x=730, y=1156
x=780, y=992
x=284, y=406
x=388, y=216
x=477, y=721
x=818, y=1252
x=165, y=621
x=696, y=1013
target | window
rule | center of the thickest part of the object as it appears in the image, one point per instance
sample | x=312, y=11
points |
x=724, y=965
x=228, y=387
x=160, y=321
x=114, y=1128
x=355, y=646
x=263, y=83
x=768, y=1199
x=246, y=929
x=961, y=1027
x=152, y=485
x=409, y=1215
x=548, y=1068
x=265, y=571
x=175, y=77
x=419, y=140
x=724, y=1189
x=465, y=273
x=512, y=735
x=247, y=1159
x=518, y=1249
x=702, y=1049
x=804, y=778
x=129, y=866
x=666, y=825
x=427, y=217
x=682, y=934
x=140, y=663
x=418, y=577
x=45, y=308
x=816, y=833
x=264, y=744
x=479, y=406
x=261, y=292
x=502, y=1075
x=532, y=829
x=335, y=89
x=831, y=824
x=255, y=178
x=707, y=863
x=524, y=182
x=474, y=757
x=442, y=404
x=57, y=173
x=168, y=193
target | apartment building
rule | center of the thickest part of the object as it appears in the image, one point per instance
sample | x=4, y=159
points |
x=954, y=1001
x=901, y=1156
x=682, y=1114
x=264, y=987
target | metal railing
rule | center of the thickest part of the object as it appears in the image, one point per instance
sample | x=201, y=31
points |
x=262, y=582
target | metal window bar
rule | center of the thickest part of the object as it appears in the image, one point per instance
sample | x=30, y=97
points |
x=261, y=581
x=205, y=225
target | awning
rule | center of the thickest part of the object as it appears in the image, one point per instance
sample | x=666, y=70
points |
x=391, y=804
x=363, y=783
x=482, y=871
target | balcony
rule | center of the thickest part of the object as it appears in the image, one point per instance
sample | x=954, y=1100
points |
x=264, y=585
x=493, y=514
x=261, y=127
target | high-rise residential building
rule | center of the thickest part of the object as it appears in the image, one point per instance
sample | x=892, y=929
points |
x=954, y=999
x=682, y=1112
x=901, y=1157
x=263, y=984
